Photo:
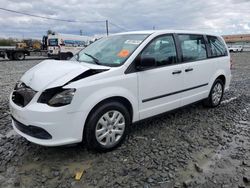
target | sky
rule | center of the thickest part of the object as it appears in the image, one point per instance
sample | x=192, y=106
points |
x=213, y=16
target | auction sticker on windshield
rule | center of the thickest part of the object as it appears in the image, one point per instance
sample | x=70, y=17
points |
x=135, y=42
x=123, y=53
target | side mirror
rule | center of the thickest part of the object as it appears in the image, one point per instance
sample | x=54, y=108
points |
x=145, y=63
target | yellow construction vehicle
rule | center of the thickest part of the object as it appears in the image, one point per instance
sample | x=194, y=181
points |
x=27, y=47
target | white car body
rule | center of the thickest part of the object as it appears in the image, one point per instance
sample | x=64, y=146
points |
x=149, y=92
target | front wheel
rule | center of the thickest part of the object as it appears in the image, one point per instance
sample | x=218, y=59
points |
x=10, y=56
x=215, y=95
x=107, y=126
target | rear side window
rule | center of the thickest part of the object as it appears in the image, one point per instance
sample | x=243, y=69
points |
x=193, y=47
x=162, y=49
x=217, y=47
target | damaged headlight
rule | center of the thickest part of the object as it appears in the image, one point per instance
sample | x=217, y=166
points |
x=57, y=96
x=19, y=85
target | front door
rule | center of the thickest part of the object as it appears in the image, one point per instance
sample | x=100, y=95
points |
x=160, y=86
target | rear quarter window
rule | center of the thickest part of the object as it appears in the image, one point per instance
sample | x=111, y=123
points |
x=216, y=46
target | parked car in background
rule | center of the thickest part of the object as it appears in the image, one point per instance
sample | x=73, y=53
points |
x=235, y=49
x=116, y=81
x=64, y=46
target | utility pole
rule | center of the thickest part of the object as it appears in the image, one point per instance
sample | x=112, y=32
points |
x=107, y=27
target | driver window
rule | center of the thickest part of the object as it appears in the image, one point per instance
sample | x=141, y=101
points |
x=162, y=49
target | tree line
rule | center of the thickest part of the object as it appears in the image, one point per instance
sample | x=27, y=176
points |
x=8, y=42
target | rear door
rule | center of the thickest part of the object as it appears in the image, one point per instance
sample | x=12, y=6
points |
x=160, y=85
x=197, y=68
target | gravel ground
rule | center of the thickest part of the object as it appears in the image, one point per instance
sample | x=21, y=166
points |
x=191, y=147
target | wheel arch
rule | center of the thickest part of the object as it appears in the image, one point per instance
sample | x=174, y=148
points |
x=222, y=78
x=220, y=74
x=119, y=99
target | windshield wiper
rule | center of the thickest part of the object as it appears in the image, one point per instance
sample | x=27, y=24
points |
x=76, y=57
x=94, y=58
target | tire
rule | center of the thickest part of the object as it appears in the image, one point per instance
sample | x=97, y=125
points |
x=100, y=133
x=65, y=56
x=19, y=56
x=10, y=56
x=68, y=56
x=214, y=99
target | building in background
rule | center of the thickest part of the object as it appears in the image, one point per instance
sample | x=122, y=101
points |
x=239, y=40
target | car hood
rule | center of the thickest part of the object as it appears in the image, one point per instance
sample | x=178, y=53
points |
x=54, y=73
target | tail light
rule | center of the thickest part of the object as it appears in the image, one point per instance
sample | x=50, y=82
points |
x=231, y=63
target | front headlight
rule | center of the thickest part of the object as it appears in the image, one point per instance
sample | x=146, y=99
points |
x=63, y=98
x=19, y=85
x=57, y=97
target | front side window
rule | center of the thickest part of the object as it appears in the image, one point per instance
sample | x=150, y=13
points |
x=216, y=46
x=193, y=47
x=110, y=51
x=162, y=49
x=53, y=42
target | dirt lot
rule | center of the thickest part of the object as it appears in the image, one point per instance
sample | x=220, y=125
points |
x=191, y=147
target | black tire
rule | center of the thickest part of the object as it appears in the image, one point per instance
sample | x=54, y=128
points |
x=209, y=101
x=10, y=56
x=69, y=56
x=89, y=136
x=19, y=56
x=65, y=56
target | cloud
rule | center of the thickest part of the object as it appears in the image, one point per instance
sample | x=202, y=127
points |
x=223, y=17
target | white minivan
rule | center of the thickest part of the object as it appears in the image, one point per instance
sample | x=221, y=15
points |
x=116, y=81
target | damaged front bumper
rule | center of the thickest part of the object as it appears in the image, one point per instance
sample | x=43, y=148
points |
x=45, y=125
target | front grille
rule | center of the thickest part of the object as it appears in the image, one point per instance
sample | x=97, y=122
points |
x=22, y=95
x=31, y=130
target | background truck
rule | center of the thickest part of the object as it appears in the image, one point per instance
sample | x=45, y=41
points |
x=25, y=48
x=55, y=45
x=64, y=46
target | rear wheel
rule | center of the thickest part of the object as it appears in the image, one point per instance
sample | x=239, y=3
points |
x=19, y=56
x=107, y=126
x=69, y=56
x=216, y=94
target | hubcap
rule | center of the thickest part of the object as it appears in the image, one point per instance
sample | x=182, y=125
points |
x=110, y=128
x=20, y=57
x=217, y=93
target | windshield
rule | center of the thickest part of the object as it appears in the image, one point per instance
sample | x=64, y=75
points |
x=110, y=51
x=53, y=42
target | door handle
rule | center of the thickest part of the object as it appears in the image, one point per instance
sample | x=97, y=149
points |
x=176, y=72
x=189, y=69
